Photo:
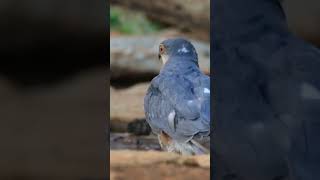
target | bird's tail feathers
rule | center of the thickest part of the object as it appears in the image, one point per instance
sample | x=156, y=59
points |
x=198, y=148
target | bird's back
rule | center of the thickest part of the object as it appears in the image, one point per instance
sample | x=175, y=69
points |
x=158, y=106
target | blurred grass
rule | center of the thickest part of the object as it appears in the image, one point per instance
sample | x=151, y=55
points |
x=130, y=22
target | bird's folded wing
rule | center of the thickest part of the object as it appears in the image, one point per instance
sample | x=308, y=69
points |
x=179, y=92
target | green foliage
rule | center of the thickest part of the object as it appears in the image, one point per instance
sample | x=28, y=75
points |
x=131, y=22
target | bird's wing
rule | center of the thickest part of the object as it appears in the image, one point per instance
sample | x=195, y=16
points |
x=172, y=106
x=179, y=91
x=204, y=96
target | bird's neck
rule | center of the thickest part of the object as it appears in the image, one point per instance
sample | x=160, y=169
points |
x=180, y=66
x=244, y=20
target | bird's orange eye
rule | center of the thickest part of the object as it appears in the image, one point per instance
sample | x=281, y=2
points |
x=161, y=49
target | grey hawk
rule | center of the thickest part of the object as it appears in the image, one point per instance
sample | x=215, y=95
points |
x=177, y=103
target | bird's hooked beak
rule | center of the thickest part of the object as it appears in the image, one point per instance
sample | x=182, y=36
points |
x=159, y=57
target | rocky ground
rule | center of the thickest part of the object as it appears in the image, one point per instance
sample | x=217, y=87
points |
x=122, y=141
x=126, y=106
x=155, y=165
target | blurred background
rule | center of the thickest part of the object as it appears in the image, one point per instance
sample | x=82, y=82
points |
x=54, y=80
x=53, y=95
x=136, y=30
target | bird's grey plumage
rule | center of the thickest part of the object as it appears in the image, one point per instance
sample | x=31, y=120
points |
x=268, y=125
x=178, y=99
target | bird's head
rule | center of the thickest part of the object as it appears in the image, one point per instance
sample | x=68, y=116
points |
x=177, y=47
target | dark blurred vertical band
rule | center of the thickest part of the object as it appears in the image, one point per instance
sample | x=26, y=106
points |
x=54, y=89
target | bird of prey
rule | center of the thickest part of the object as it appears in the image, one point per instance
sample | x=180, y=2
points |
x=267, y=95
x=177, y=103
